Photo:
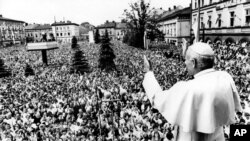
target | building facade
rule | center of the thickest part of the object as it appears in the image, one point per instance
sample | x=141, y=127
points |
x=11, y=31
x=176, y=25
x=224, y=21
x=34, y=31
x=115, y=30
x=64, y=31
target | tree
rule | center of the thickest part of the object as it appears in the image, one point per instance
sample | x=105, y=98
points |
x=140, y=19
x=97, y=36
x=79, y=63
x=74, y=42
x=28, y=71
x=153, y=30
x=3, y=71
x=137, y=19
x=106, y=56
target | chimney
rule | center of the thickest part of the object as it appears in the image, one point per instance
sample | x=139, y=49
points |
x=1, y=15
x=169, y=9
x=174, y=7
x=161, y=8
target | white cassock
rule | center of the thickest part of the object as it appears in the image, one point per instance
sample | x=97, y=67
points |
x=199, y=107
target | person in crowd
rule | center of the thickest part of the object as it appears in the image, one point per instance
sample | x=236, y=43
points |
x=56, y=105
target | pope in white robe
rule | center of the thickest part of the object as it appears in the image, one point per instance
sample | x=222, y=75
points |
x=199, y=107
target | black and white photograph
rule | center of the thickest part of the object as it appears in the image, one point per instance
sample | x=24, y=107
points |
x=124, y=70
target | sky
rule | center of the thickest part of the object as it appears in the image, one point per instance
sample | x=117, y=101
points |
x=95, y=12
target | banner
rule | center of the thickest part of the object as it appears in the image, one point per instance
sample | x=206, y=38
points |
x=91, y=37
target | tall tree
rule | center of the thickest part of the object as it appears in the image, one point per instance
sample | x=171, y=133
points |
x=97, y=36
x=107, y=56
x=74, y=42
x=137, y=19
x=79, y=63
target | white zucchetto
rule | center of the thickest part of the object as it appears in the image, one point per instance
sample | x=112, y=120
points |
x=203, y=49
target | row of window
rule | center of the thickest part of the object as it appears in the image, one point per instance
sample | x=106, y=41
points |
x=62, y=28
x=219, y=20
x=110, y=33
x=62, y=34
x=170, y=29
x=202, y=2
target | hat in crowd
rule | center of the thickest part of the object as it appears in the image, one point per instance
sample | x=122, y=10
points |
x=203, y=49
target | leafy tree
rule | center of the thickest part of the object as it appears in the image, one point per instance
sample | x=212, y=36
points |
x=97, y=36
x=137, y=19
x=74, y=42
x=79, y=63
x=3, y=71
x=153, y=31
x=28, y=71
x=140, y=19
x=107, y=56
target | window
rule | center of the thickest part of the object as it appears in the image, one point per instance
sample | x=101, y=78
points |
x=210, y=1
x=247, y=16
x=202, y=23
x=61, y=34
x=57, y=34
x=56, y=28
x=69, y=34
x=209, y=22
x=202, y=3
x=219, y=20
x=232, y=18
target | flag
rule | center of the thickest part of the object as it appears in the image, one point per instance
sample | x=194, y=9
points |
x=13, y=36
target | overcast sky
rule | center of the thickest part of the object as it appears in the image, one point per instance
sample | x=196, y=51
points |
x=95, y=12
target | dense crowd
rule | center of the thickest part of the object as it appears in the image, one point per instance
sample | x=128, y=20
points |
x=56, y=105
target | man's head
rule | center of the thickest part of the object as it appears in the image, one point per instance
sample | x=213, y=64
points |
x=198, y=57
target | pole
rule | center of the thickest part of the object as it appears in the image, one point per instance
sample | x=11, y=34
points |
x=203, y=30
x=198, y=20
x=191, y=17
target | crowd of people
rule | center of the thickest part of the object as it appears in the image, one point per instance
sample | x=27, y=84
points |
x=56, y=105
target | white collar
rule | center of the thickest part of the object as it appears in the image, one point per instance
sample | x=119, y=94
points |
x=203, y=72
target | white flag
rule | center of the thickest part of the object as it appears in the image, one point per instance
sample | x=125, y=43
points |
x=195, y=29
x=13, y=36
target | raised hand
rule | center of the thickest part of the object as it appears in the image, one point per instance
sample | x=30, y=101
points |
x=184, y=47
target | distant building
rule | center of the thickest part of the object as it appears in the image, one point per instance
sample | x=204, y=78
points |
x=223, y=20
x=64, y=31
x=34, y=31
x=175, y=24
x=84, y=30
x=11, y=31
x=120, y=30
x=115, y=30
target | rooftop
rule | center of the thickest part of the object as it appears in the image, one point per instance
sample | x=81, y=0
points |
x=7, y=19
x=179, y=12
x=107, y=25
x=61, y=23
x=38, y=27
